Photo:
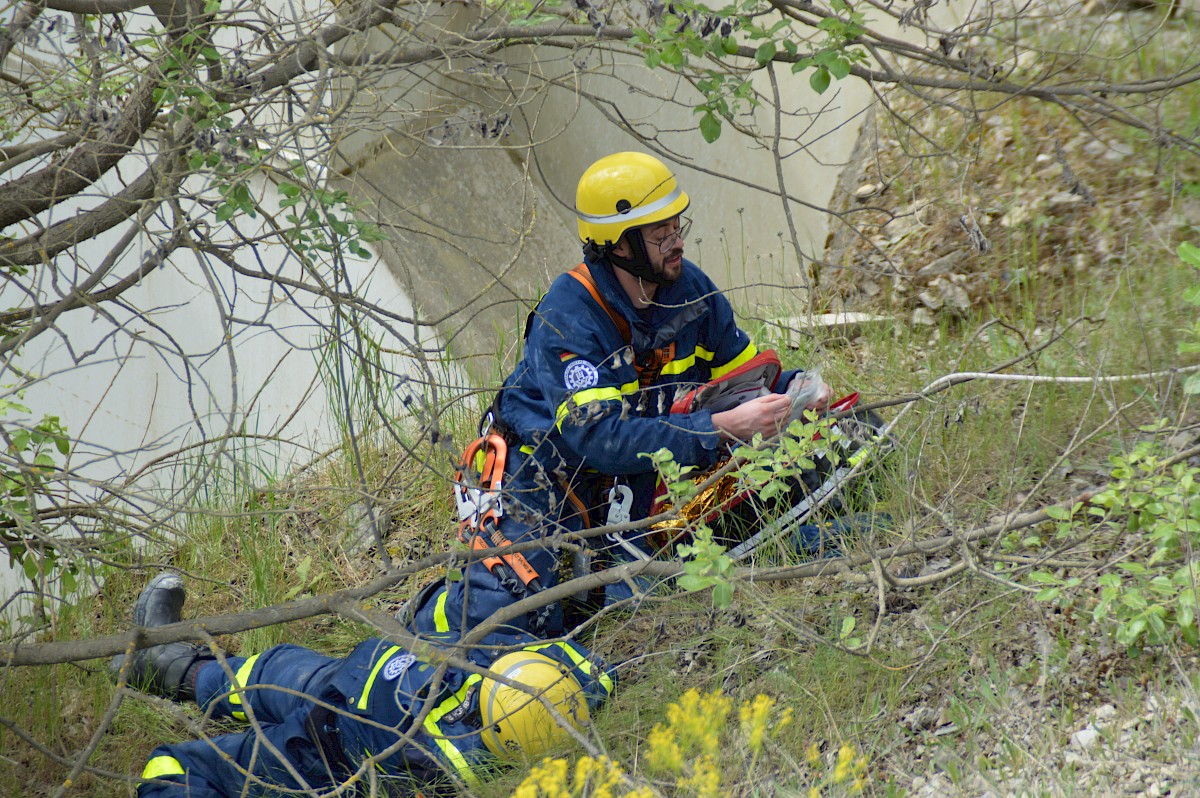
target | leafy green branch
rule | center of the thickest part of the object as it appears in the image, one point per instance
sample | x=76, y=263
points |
x=1152, y=599
x=705, y=563
x=30, y=459
x=689, y=30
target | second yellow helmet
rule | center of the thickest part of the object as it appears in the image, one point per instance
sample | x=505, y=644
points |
x=515, y=722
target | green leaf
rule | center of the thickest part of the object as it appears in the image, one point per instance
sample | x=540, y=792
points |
x=653, y=59
x=722, y=595
x=19, y=440
x=1058, y=513
x=1189, y=253
x=839, y=68
x=819, y=80
x=672, y=55
x=710, y=127
x=848, y=624
x=692, y=582
x=764, y=53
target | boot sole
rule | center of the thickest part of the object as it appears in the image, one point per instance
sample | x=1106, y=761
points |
x=164, y=581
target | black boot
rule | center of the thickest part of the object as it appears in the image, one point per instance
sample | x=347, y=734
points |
x=169, y=669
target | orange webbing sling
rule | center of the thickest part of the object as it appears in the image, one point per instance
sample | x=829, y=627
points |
x=649, y=364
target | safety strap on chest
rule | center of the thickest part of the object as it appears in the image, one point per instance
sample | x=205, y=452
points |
x=649, y=364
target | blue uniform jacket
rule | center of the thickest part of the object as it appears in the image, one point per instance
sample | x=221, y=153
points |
x=575, y=401
x=370, y=699
x=577, y=416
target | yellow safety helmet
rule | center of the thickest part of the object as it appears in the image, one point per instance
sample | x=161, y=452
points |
x=515, y=722
x=624, y=190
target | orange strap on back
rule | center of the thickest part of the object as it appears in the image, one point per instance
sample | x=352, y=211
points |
x=584, y=275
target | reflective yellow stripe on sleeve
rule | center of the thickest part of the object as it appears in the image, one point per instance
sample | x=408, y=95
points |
x=746, y=354
x=239, y=682
x=448, y=748
x=440, y=622
x=379, y=663
x=161, y=766
x=581, y=398
x=581, y=662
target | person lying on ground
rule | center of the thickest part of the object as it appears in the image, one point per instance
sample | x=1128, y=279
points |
x=318, y=721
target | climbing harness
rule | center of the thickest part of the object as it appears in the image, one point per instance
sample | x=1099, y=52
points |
x=478, y=483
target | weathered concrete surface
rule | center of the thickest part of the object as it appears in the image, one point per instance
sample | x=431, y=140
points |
x=464, y=154
x=471, y=243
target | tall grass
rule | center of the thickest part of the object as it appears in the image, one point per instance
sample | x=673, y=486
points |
x=969, y=682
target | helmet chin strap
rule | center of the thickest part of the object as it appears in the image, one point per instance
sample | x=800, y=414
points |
x=639, y=265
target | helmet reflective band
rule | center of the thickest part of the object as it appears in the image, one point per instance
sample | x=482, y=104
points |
x=625, y=190
x=515, y=722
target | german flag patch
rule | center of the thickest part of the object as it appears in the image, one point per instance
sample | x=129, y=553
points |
x=565, y=356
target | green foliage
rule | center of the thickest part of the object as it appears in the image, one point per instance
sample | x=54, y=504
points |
x=835, y=57
x=1190, y=254
x=30, y=460
x=527, y=12
x=1150, y=600
x=325, y=221
x=769, y=470
x=705, y=562
x=691, y=31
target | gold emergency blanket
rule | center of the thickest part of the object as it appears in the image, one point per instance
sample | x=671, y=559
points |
x=705, y=505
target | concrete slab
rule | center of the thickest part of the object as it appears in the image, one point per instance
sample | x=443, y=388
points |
x=794, y=330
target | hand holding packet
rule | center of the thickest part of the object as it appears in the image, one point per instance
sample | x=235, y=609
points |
x=806, y=388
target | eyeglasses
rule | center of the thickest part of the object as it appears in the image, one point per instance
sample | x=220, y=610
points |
x=668, y=241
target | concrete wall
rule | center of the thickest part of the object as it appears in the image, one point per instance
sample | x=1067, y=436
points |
x=486, y=149
x=194, y=352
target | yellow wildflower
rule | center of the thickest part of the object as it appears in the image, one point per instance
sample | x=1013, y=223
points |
x=597, y=778
x=812, y=755
x=845, y=764
x=705, y=781
x=665, y=755
x=753, y=716
x=547, y=780
x=697, y=720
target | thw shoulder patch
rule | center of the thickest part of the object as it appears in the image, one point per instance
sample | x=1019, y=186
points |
x=580, y=374
x=397, y=666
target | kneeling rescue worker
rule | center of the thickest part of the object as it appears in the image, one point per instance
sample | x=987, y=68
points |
x=319, y=721
x=610, y=347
